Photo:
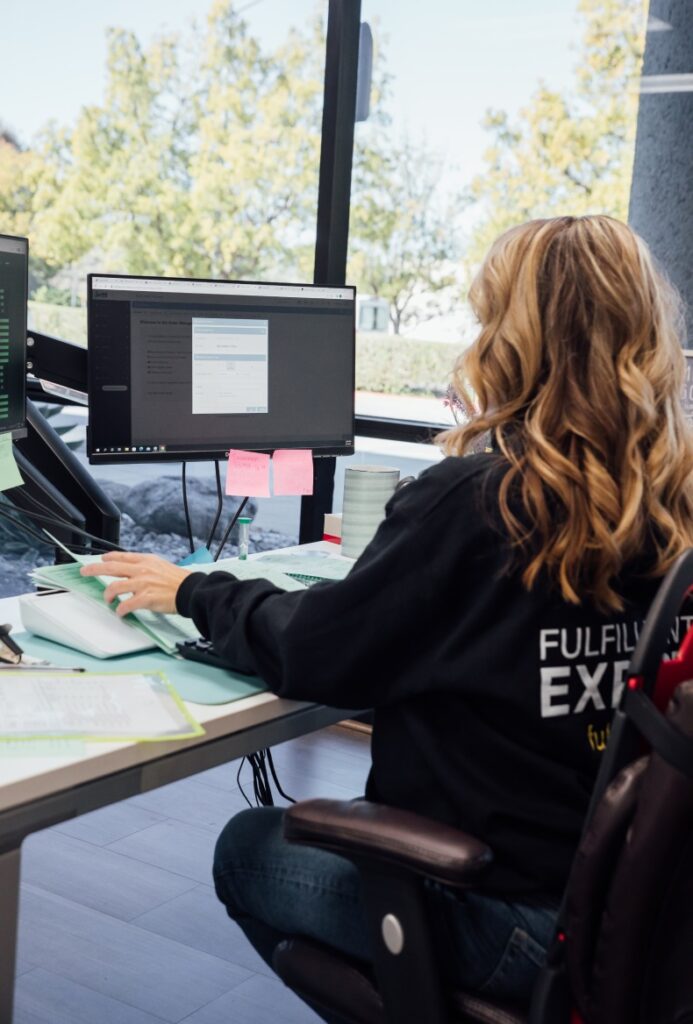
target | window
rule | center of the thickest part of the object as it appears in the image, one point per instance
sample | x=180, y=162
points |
x=481, y=117
x=178, y=142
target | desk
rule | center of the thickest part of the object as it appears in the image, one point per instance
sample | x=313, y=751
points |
x=36, y=793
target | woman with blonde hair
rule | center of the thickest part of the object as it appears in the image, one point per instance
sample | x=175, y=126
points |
x=491, y=620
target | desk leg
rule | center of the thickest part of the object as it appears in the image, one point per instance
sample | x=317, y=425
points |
x=9, y=907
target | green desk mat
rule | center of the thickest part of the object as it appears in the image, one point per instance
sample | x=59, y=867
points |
x=201, y=684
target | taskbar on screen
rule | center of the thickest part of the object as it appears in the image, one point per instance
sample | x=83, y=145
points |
x=130, y=449
x=167, y=453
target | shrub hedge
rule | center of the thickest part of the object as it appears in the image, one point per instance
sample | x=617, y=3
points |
x=400, y=366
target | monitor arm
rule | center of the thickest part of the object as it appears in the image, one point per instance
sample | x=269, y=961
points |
x=58, y=362
x=52, y=472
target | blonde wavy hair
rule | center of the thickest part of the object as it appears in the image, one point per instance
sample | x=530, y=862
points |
x=577, y=375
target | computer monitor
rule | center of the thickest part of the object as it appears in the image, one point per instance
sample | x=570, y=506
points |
x=187, y=369
x=14, y=284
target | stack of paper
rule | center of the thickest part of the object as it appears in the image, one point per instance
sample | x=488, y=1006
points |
x=163, y=630
x=92, y=706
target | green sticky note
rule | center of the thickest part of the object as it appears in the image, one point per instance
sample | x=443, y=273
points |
x=9, y=473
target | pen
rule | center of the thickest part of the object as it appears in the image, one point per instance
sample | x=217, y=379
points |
x=42, y=668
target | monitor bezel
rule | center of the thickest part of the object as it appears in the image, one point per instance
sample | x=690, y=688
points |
x=19, y=430
x=211, y=454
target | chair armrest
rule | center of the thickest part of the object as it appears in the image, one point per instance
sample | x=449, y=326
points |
x=360, y=830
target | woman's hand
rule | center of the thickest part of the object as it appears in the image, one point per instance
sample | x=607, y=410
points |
x=151, y=581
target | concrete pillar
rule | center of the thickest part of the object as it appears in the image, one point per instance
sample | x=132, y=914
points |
x=661, y=200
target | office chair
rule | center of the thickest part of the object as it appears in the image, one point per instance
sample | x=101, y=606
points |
x=622, y=946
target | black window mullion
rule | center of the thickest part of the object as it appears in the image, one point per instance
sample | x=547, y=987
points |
x=334, y=194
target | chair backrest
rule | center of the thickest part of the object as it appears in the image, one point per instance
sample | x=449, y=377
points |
x=636, y=837
x=651, y=675
x=626, y=872
x=592, y=872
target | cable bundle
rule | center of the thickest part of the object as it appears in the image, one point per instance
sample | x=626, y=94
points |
x=10, y=513
x=217, y=517
x=262, y=788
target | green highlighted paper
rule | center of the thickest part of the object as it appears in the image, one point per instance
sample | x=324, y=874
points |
x=9, y=473
x=92, y=706
x=253, y=569
x=308, y=564
x=164, y=631
x=201, y=684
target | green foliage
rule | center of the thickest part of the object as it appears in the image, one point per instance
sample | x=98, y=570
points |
x=403, y=237
x=202, y=159
x=51, y=295
x=404, y=243
x=569, y=154
x=400, y=366
x=67, y=322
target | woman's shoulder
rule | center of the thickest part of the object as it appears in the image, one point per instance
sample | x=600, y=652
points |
x=462, y=480
x=456, y=469
x=459, y=472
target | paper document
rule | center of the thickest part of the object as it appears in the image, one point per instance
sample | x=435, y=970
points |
x=67, y=577
x=167, y=630
x=253, y=569
x=307, y=563
x=91, y=706
x=164, y=630
x=9, y=473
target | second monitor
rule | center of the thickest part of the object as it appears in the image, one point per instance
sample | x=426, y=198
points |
x=14, y=269
x=186, y=369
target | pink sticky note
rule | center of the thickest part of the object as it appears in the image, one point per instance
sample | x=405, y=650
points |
x=247, y=473
x=293, y=471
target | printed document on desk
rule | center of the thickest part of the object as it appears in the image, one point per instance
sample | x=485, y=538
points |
x=242, y=570
x=309, y=563
x=92, y=706
x=254, y=569
x=162, y=632
x=165, y=630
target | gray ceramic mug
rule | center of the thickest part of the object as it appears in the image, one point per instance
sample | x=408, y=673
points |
x=367, y=490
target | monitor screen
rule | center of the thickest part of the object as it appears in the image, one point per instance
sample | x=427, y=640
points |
x=182, y=369
x=14, y=276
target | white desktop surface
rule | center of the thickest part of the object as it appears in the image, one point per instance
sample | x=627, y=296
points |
x=27, y=778
x=36, y=792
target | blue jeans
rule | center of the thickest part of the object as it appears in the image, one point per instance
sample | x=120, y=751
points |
x=274, y=889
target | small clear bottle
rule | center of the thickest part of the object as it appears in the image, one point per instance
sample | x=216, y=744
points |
x=243, y=536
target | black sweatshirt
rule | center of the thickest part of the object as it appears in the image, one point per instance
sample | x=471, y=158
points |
x=492, y=704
